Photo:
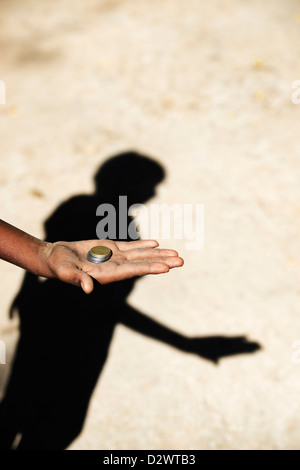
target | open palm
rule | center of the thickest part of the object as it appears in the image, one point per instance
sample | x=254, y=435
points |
x=68, y=262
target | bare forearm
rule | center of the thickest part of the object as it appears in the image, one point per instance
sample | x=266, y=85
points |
x=68, y=261
x=24, y=250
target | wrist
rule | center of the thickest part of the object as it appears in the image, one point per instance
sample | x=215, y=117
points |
x=43, y=266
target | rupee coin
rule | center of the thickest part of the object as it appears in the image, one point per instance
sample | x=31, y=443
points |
x=99, y=254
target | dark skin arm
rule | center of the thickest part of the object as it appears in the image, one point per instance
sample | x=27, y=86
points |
x=67, y=260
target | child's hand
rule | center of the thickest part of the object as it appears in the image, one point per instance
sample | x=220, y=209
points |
x=67, y=261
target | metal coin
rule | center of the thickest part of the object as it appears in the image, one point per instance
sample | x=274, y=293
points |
x=99, y=254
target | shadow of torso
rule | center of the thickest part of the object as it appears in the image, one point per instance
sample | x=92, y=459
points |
x=64, y=341
x=65, y=335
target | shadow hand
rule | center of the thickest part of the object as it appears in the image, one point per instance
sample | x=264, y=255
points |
x=214, y=348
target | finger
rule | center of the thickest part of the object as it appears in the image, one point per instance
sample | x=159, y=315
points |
x=140, y=269
x=86, y=282
x=125, y=246
x=144, y=253
x=75, y=276
x=171, y=261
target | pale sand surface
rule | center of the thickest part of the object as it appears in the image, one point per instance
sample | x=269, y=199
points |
x=204, y=88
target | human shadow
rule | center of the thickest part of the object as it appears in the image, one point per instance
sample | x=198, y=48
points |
x=65, y=334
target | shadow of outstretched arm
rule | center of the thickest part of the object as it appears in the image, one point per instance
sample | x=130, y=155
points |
x=212, y=348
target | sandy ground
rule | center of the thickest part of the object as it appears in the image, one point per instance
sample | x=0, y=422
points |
x=204, y=88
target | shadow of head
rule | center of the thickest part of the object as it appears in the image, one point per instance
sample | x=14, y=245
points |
x=130, y=174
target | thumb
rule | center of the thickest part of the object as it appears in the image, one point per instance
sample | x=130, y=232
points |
x=84, y=280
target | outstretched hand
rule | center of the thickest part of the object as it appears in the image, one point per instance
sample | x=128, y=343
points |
x=67, y=261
